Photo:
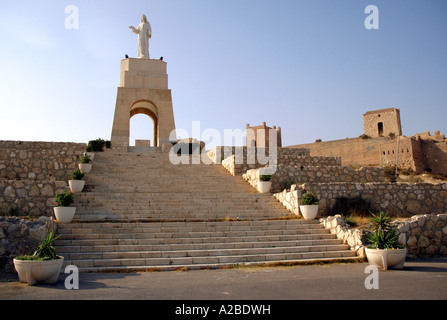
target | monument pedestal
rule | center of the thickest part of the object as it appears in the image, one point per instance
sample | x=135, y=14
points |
x=143, y=90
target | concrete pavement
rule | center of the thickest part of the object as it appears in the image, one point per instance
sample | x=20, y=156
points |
x=420, y=279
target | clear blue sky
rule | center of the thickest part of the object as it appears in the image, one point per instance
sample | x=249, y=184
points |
x=308, y=66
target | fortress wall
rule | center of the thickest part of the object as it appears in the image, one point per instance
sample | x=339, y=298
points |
x=435, y=153
x=353, y=151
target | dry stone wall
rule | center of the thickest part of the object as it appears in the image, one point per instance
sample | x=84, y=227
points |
x=355, y=238
x=288, y=175
x=237, y=160
x=21, y=237
x=399, y=199
x=31, y=173
x=54, y=161
x=422, y=235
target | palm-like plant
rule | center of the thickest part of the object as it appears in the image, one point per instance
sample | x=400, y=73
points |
x=46, y=251
x=384, y=235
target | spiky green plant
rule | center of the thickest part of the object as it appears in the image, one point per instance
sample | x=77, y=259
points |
x=46, y=251
x=383, y=235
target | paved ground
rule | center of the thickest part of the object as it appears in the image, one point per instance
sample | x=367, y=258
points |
x=419, y=280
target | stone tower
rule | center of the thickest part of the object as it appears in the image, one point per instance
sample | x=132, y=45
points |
x=143, y=90
x=259, y=136
x=382, y=123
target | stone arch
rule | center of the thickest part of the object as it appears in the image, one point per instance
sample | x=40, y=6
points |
x=150, y=109
x=143, y=89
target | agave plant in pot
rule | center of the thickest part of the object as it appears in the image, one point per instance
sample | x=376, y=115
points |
x=309, y=206
x=43, y=266
x=76, y=183
x=63, y=212
x=85, y=165
x=384, y=250
x=264, y=183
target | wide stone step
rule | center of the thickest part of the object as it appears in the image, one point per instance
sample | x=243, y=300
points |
x=182, y=211
x=89, y=241
x=173, y=263
x=187, y=234
x=127, y=245
x=207, y=252
x=172, y=218
x=233, y=225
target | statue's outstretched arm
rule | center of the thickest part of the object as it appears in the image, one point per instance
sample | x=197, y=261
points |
x=134, y=30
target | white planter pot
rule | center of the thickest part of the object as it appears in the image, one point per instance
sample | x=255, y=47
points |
x=386, y=258
x=309, y=212
x=64, y=214
x=264, y=186
x=85, y=167
x=91, y=155
x=33, y=272
x=76, y=186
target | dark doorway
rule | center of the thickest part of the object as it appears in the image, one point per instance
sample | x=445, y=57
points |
x=380, y=125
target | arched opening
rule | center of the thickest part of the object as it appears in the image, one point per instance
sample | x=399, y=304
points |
x=140, y=126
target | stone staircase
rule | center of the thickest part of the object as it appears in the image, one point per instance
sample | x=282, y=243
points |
x=140, y=212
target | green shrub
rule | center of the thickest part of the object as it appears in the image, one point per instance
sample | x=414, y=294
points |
x=351, y=206
x=85, y=159
x=390, y=173
x=364, y=136
x=64, y=199
x=265, y=177
x=309, y=199
x=77, y=175
x=98, y=145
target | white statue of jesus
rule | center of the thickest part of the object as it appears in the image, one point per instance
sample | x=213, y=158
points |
x=144, y=32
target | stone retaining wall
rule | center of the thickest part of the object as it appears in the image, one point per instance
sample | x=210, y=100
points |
x=29, y=197
x=20, y=160
x=399, y=199
x=290, y=199
x=287, y=175
x=422, y=235
x=237, y=160
x=21, y=237
x=355, y=238
x=31, y=173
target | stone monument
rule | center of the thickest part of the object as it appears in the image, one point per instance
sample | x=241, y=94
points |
x=144, y=32
x=143, y=90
